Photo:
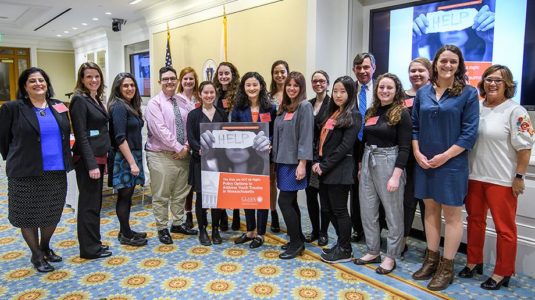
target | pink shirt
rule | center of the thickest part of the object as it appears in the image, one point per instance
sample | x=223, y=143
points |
x=161, y=125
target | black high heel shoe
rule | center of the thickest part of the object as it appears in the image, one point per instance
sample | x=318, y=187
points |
x=491, y=284
x=51, y=256
x=42, y=265
x=467, y=273
x=290, y=253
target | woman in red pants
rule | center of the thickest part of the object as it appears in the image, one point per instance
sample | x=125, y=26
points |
x=498, y=164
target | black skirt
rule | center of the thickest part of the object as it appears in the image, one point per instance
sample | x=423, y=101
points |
x=37, y=201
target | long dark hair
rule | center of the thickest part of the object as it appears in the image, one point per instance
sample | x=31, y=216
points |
x=394, y=112
x=273, y=85
x=242, y=100
x=345, y=118
x=233, y=85
x=80, y=88
x=23, y=94
x=460, y=77
x=134, y=105
x=290, y=105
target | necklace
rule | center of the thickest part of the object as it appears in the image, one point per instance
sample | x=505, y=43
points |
x=41, y=110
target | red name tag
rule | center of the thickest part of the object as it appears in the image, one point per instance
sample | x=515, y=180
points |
x=265, y=117
x=409, y=102
x=372, y=121
x=60, y=108
x=288, y=116
x=329, y=125
x=197, y=104
x=225, y=103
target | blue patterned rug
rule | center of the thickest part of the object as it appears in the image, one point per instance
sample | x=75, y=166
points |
x=186, y=270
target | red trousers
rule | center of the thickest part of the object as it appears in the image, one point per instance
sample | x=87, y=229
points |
x=502, y=204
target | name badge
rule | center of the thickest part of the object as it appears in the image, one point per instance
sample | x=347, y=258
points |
x=372, y=121
x=225, y=103
x=329, y=125
x=93, y=132
x=60, y=107
x=288, y=116
x=409, y=102
x=265, y=117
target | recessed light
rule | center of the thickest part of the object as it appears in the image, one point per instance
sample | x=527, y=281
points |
x=84, y=24
x=58, y=35
x=134, y=1
x=74, y=28
x=95, y=19
x=108, y=13
x=66, y=31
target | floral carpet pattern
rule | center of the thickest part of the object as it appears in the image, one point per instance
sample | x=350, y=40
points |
x=186, y=270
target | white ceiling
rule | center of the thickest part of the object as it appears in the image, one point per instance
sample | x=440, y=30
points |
x=22, y=17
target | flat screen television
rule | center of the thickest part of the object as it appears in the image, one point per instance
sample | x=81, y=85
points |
x=487, y=31
x=140, y=68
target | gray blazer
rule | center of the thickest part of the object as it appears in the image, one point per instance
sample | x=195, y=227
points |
x=292, y=139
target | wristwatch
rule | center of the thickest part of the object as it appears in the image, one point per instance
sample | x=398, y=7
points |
x=519, y=176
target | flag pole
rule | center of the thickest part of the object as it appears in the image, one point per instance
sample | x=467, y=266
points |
x=225, y=33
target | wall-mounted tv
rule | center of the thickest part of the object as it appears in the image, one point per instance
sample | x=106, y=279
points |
x=487, y=31
x=140, y=68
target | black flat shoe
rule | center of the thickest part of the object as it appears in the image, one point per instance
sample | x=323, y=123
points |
x=257, y=242
x=101, y=254
x=51, y=256
x=311, y=237
x=104, y=247
x=165, y=237
x=491, y=284
x=360, y=262
x=292, y=253
x=242, y=239
x=42, y=265
x=285, y=246
x=467, y=273
x=382, y=271
x=135, y=241
x=183, y=229
x=323, y=240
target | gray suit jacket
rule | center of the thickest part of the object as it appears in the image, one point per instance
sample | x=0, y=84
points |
x=292, y=139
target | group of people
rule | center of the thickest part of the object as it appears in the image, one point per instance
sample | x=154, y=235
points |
x=384, y=148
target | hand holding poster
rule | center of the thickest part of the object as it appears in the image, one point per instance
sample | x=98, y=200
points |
x=235, y=165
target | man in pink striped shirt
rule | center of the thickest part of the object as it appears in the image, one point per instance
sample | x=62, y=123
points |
x=168, y=156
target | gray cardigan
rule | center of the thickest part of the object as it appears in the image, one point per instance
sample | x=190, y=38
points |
x=292, y=139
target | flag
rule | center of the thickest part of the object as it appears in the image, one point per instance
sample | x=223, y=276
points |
x=168, y=60
x=224, y=56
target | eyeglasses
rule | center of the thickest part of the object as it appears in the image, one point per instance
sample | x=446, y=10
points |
x=168, y=79
x=497, y=81
x=320, y=81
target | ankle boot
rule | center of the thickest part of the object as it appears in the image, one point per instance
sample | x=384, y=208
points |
x=275, y=226
x=443, y=276
x=189, y=220
x=429, y=266
x=203, y=237
x=216, y=238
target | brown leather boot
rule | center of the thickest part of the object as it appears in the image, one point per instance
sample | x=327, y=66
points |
x=429, y=266
x=443, y=276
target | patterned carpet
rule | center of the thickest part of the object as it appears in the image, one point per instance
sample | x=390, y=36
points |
x=186, y=270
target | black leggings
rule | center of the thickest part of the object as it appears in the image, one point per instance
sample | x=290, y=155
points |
x=259, y=222
x=292, y=217
x=200, y=212
x=313, y=206
x=336, y=196
x=122, y=209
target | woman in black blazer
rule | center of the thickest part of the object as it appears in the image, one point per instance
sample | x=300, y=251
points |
x=320, y=83
x=92, y=142
x=34, y=140
x=339, y=129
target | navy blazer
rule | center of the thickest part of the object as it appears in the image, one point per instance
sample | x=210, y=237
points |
x=20, y=138
x=337, y=160
x=90, y=126
x=245, y=115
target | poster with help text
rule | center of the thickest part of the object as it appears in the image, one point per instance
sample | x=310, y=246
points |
x=235, y=168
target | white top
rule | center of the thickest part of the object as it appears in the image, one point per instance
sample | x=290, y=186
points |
x=503, y=130
x=369, y=93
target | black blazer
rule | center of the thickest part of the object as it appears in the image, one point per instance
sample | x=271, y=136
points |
x=20, y=138
x=90, y=127
x=193, y=127
x=317, y=122
x=337, y=162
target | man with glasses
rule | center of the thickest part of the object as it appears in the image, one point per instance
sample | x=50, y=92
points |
x=168, y=156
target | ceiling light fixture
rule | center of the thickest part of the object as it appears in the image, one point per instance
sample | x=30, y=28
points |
x=58, y=35
x=108, y=13
x=84, y=24
x=74, y=28
x=66, y=31
x=134, y=2
x=95, y=19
